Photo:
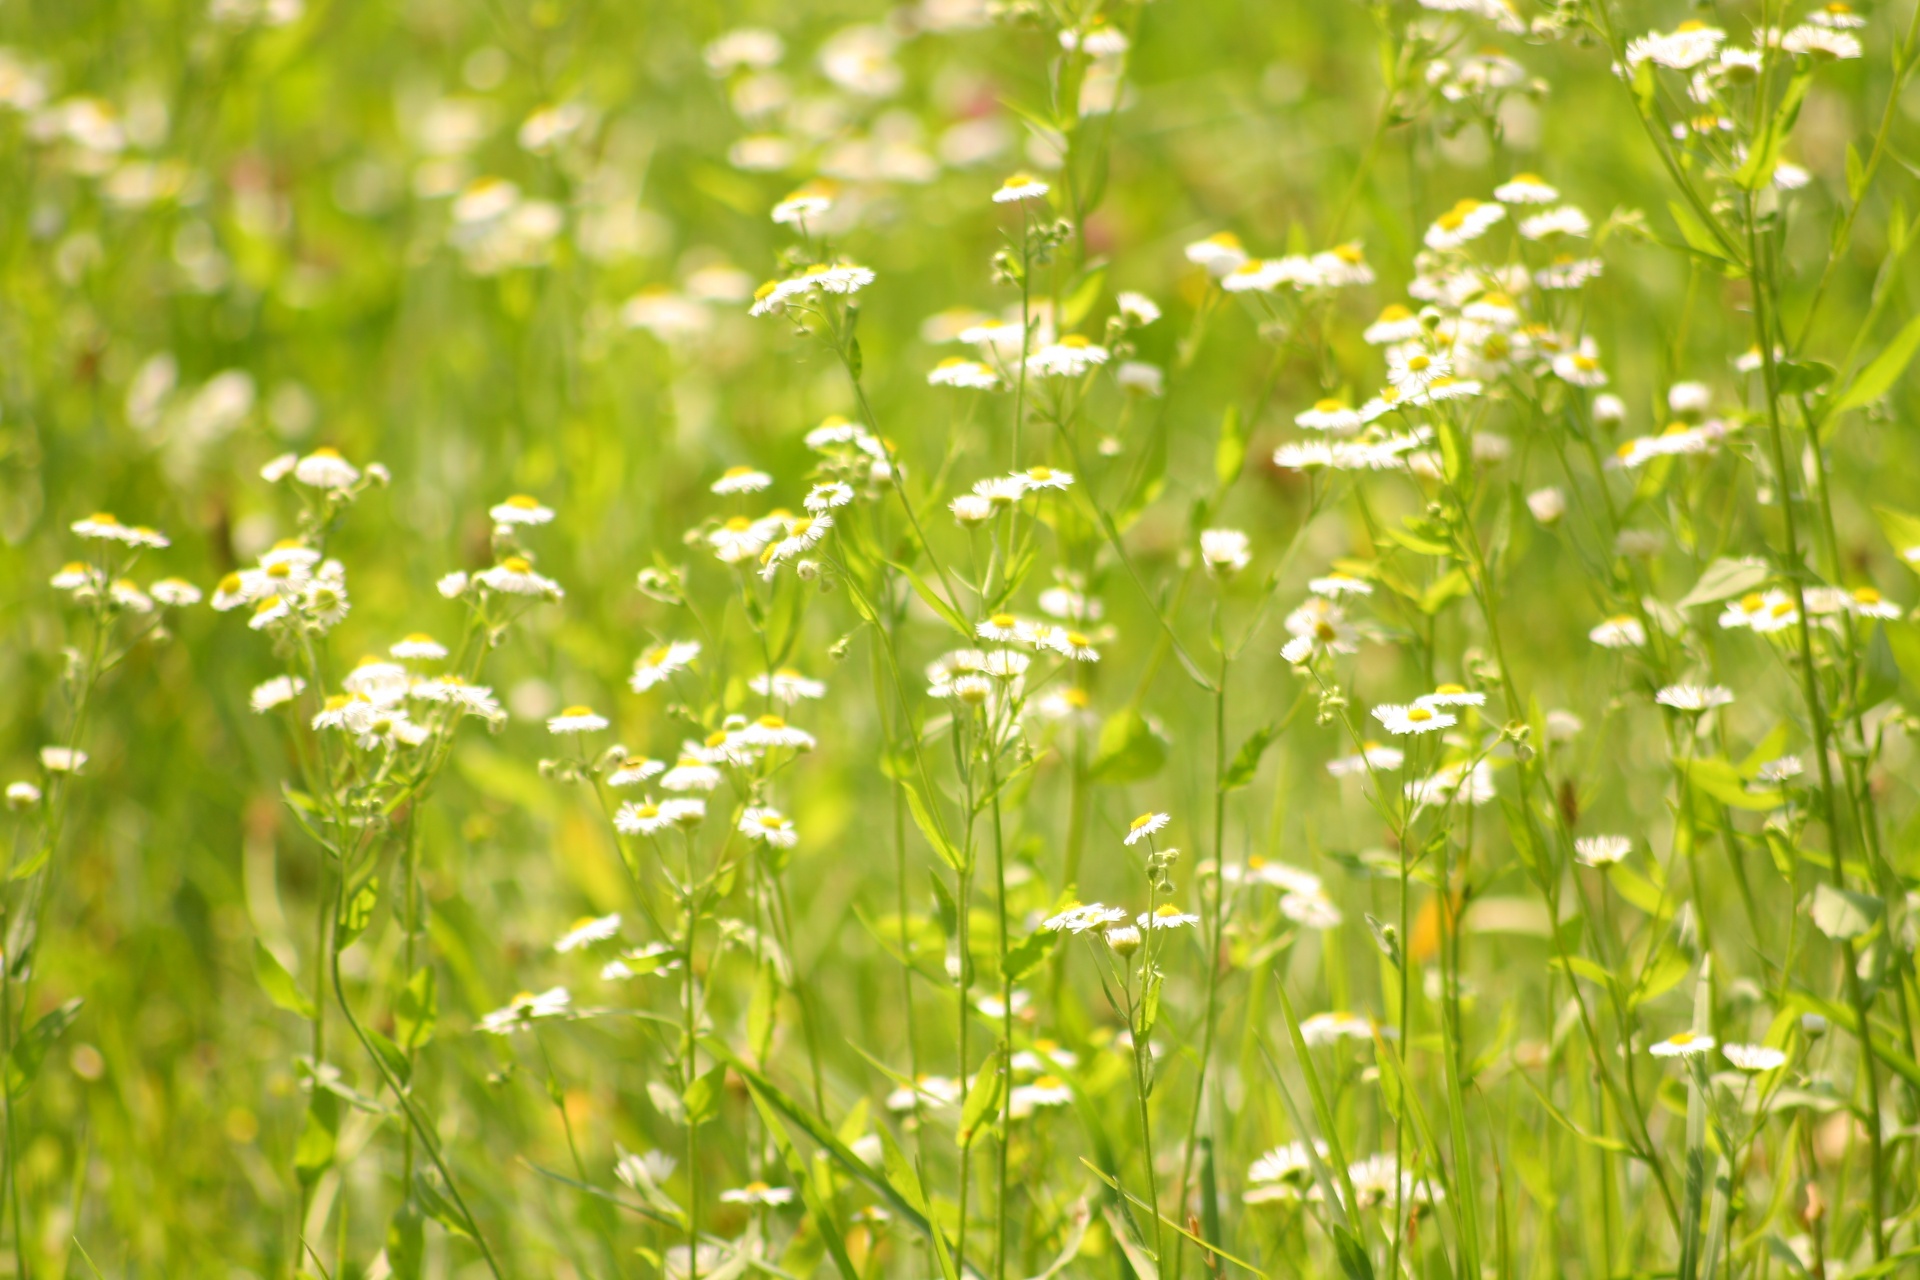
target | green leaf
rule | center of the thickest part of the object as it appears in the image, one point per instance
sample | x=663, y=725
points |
x=391, y=1057
x=934, y=601
x=1717, y=777
x=433, y=1202
x=1764, y=156
x=417, y=1009
x=923, y=818
x=702, y=1098
x=1129, y=750
x=1246, y=761
x=1903, y=531
x=1856, y=174
x=1800, y=377
x=1878, y=377
x=1726, y=578
x=1079, y=301
x=23, y=1064
x=356, y=912
x=1230, y=455
x=406, y=1242
x=319, y=1137
x=1447, y=586
x=1695, y=233
x=1879, y=674
x=820, y=1208
x=1842, y=914
x=1662, y=976
x=279, y=984
x=1031, y=952
x=982, y=1104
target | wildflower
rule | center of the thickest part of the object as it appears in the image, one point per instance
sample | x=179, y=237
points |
x=803, y=534
x=690, y=773
x=1564, y=221
x=1166, y=916
x=451, y=586
x=1580, y=368
x=1864, y=601
x=971, y=375
x=938, y=1090
x=758, y=1193
x=1019, y=187
x=741, y=480
x=1326, y=1028
x=1139, y=378
x=419, y=647
x=1693, y=697
x=649, y=818
x=1821, y=43
x=1686, y=47
x=1567, y=272
x=769, y=732
x=1779, y=770
x=801, y=205
x=62, y=759
x=1395, y=324
x=454, y=691
x=514, y=576
x=588, y=931
x=661, y=663
x=525, y=1008
x=22, y=795
x=1754, y=1059
x=1145, y=826
x=126, y=595
x=738, y=540
x=1220, y=253
x=1282, y=1173
x=1079, y=919
x=324, y=468
x=1224, y=551
x=768, y=826
x=1070, y=357
x=1461, y=225
x=1336, y=584
x=1072, y=645
x=1601, y=851
x=1525, y=188
x=1137, y=308
x=1414, y=719
x=634, y=770
x=1318, y=627
x=971, y=509
x=1329, y=415
x=1681, y=1044
x=1451, y=695
x=175, y=593
x=76, y=576
x=576, y=720
x=787, y=686
x=1619, y=632
x=1547, y=505
x=1038, y=478
x=520, y=510
x=1410, y=371
x=1122, y=939
x=1046, y=1091
x=1371, y=756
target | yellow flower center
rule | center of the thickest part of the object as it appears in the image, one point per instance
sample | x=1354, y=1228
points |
x=1224, y=239
x=572, y=712
x=522, y=502
x=228, y=585
x=1074, y=340
x=1751, y=602
x=1451, y=688
x=1781, y=608
x=102, y=517
x=1002, y=621
x=1077, y=641
x=1349, y=253
x=517, y=564
x=1866, y=595
x=1327, y=406
x=1078, y=699
x=739, y=524
x=1691, y=24
x=1018, y=180
x=734, y=473
x=717, y=738
x=1040, y=473
x=1585, y=364
x=649, y=810
x=771, y=722
x=1418, y=363
x=1323, y=631
x=799, y=528
x=1680, y=1038
x=1140, y=821
x=1395, y=312
x=1419, y=715
x=772, y=821
x=326, y=451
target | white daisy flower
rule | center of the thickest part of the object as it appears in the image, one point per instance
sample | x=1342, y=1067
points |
x=1137, y=308
x=1220, y=253
x=650, y=817
x=1329, y=415
x=22, y=795
x=1070, y=357
x=1319, y=626
x=1079, y=918
x=768, y=826
x=634, y=770
x=661, y=663
x=276, y=692
x=520, y=510
x=1682, y=49
x=1140, y=378
x=801, y=205
x=1780, y=770
x=586, y=932
x=1412, y=719
x=1681, y=1044
x=690, y=773
x=971, y=509
x=1046, y=1091
x=1864, y=601
x=1619, y=632
x=1395, y=324
x=787, y=686
x=741, y=480
x=970, y=375
x=1166, y=916
x=1146, y=825
x=1461, y=225
x=1754, y=1059
x=770, y=732
x=1451, y=695
x=1564, y=221
x=1410, y=371
x=1337, y=584
x=101, y=527
x=515, y=576
x=1694, y=697
x=1021, y=186
x=1601, y=851
x=1547, y=505
x=324, y=468
x=1037, y=478
x=757, y=1193
x=1821, y=43
x=1525, y=188
x=62, y=759
x=1073, y=645
x=1371, y=756
x=175, y=593
x=526, y=1008
x=1225, y=552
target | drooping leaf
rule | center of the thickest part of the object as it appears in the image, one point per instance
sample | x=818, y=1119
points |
x=1726, y=578
x=1842, y=914
x=1130, y=750
x=30, y=1051
x=1885, y=369
x=1246, y=761
x=319, y=1137
x=279, y=984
